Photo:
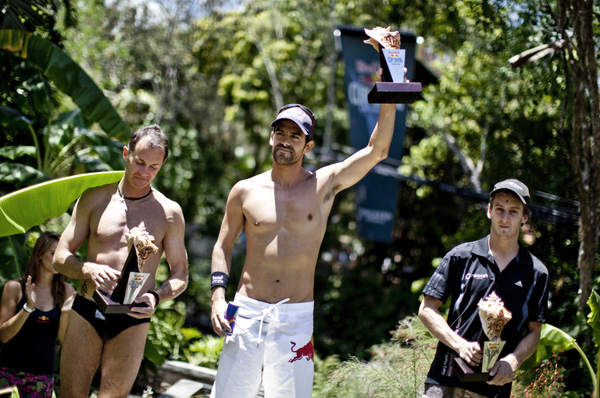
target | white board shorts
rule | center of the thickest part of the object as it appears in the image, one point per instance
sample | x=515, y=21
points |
x=281, y=357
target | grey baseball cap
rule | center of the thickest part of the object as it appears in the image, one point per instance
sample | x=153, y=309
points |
x=515, y=186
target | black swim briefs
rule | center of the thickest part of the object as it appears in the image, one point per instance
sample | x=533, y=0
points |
x=107, y=326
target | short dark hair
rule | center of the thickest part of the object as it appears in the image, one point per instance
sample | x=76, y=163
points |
x=526, y=209
x=158, y=139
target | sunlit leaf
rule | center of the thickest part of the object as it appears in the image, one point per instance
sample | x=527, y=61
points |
x=594, y=316
x=552, y=341
x=33, y=205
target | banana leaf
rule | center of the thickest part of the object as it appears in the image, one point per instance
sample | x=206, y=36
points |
x=25, y=208
x=67, y=77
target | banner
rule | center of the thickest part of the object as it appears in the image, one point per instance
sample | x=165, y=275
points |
x=376, y=195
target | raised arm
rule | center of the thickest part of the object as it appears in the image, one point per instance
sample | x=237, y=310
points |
x=347, y=173
x=231, y=228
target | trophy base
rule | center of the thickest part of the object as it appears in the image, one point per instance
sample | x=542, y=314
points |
x=108, y=306
x=394, y=93
x=465, y=373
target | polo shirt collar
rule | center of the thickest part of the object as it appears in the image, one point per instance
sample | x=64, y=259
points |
x=482, y=248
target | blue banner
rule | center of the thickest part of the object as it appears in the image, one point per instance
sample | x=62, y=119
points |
x=376, y=194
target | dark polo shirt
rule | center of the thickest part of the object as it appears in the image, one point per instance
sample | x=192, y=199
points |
x=469, y=273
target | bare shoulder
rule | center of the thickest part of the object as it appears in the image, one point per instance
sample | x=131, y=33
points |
x=13, y=285
x=171, y=207
x=92, y=197
x=12, y=289
x=246, y=186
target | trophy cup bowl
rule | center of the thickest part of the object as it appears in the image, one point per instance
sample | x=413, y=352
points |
x=494, y=316
x=393, y=89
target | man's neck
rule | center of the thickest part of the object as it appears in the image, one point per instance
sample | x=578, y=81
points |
x=503, y=250
x=288, y=176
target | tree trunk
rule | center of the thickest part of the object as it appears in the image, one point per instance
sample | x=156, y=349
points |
x=584, y=145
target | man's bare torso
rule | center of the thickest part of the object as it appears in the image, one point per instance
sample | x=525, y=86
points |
x=284, y=229
x=111, y=219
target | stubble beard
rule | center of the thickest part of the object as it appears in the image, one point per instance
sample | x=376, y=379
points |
x=284, y=158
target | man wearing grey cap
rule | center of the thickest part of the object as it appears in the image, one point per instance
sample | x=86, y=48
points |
x=471, y=272
x=283, y=213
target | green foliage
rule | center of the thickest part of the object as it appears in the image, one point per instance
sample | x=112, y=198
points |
x=68, y=78
x=324, y=367
x=545, y=380
x=396, y=369
x=554, y=340
x=165, y=337
x=202, y=350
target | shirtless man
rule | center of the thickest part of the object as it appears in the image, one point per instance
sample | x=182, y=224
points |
x=283, y=213
x=102, y=216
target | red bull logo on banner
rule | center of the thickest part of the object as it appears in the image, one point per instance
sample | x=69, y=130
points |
x=307, y=352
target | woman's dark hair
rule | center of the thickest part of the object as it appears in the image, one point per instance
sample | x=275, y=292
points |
x=42, y=245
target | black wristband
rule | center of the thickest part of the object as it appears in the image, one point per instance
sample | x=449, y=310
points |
x=219, y=279
x=152, y=292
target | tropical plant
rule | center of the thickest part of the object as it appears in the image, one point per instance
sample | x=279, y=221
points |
x=396, y=369
x=544, y=381
x=68, y=77
x=555, y=340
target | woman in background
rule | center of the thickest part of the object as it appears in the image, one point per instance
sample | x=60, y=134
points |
x=33, y=313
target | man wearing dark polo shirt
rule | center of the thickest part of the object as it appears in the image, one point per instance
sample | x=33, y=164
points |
x=469, y=273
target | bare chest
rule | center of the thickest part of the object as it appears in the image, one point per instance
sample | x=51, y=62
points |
x=110, y=225
x=271, y=211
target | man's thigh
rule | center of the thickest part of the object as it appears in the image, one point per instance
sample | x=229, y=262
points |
x=438, y=391
x=80, y=357
x=121, y=359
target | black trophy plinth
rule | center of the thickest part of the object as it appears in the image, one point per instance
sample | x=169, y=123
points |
x=390, y=92
x=466, y=373
x=113, y=304
x=394, y=93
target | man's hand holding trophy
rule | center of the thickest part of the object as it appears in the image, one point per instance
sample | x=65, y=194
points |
x=494, y=316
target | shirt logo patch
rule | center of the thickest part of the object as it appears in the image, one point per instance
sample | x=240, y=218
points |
x=98, y=315
x=519, y=283
x=476, y=276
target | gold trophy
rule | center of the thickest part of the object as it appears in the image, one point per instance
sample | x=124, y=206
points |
x=494, y=316
x=132, y=278
x=393, y=89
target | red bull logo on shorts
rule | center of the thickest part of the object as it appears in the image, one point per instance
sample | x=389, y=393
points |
x=307, y=352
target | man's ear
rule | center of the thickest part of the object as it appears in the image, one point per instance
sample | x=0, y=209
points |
x=489, y=212
x=309, y=146
x=125, y=152
x=271, y=139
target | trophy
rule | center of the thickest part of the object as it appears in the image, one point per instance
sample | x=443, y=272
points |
x=132, y=278
x=393, y=89
x=494, y=316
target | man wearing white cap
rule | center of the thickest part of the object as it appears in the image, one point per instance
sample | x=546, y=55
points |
x=494, y=266
x=283, y=213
